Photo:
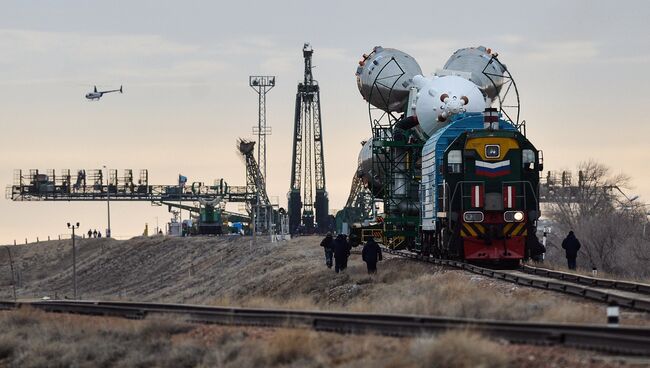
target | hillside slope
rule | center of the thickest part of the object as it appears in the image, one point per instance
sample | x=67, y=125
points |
x=230, y=270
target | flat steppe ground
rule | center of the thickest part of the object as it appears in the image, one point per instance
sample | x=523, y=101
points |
x=231, y=270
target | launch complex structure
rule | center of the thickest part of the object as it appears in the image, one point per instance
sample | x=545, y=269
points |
x=206, y=202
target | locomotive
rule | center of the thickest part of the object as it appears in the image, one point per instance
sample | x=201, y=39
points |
x=480, y=193
x=455, y=177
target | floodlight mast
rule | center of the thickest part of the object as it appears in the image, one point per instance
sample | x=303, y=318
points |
x=262, y=84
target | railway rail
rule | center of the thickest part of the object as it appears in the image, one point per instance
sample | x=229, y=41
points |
x=625, y=294
x=621, y=285
x=623, y=340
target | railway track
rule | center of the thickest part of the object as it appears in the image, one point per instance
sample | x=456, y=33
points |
x=624, y=340
x=626, y=294
x=626, y=286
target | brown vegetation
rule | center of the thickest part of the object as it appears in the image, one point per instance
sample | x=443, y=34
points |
x=461, y=349
x=36, y=339
x=228, y=271
x=608, y=223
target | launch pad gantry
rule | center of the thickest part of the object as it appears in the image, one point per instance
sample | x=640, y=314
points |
x=308, y=149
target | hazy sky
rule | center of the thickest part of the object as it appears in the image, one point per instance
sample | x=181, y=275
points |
x=582, y=68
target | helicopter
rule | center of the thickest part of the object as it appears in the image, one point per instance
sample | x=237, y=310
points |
x=96, y=95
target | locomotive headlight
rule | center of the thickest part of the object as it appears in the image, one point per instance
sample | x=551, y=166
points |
x=513, y=216
x=492, y=151
x=518, y=216
x=473, y=216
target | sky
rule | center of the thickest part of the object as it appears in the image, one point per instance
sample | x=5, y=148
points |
x=581, y=68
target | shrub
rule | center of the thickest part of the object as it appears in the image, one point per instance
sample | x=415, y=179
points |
x=462, y=349
x=290, y=345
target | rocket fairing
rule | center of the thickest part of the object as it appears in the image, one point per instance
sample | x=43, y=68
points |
x=474, y=63
x=439, y=98
x=385, y=78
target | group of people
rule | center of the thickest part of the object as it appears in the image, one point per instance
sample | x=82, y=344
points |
x=94, y=233
x=337, y=252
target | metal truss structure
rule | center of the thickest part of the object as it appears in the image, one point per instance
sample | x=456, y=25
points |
x=308, y=149
x=90, y=185
x=262, y=84
x=396, y=153
x=258, y=204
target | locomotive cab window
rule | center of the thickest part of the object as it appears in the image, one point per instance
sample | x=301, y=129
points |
x=492, y=151
x=528, y=159
x=454, y=161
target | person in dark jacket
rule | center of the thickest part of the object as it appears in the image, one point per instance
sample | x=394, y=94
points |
x=572, y=245
x=328, y=246
x=341, y=253
x=370, y=254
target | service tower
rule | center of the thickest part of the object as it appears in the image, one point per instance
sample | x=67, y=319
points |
x=308, y=138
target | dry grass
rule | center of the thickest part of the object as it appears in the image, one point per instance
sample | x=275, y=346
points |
x=461, y=349
x=452, y=294
x=298, y=302
x=289, y=346
x=412, y=288
x=227, y=271
x=35, y=339
x=433, y=292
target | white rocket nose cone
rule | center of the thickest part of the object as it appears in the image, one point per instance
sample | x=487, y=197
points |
x=452, y=95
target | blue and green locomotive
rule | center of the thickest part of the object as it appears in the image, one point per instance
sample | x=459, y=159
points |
x=480, y=191
x=450, y=175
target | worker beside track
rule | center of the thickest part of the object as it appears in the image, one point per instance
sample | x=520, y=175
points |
x=341, y=253
x=371, y=254
x=328, y=246
x=572, y=245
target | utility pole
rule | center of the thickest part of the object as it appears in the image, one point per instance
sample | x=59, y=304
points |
x=13, y=279
x=108, y=201
x=74, y=258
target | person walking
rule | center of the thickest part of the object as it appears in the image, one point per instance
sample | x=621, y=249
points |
x=90, y=233
x=328, y=246
x=571, y=245
x=95, y=233
x=341, y=253
x=371, y=254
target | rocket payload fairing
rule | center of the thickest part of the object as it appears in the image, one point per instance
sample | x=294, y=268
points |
x=387, y=78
